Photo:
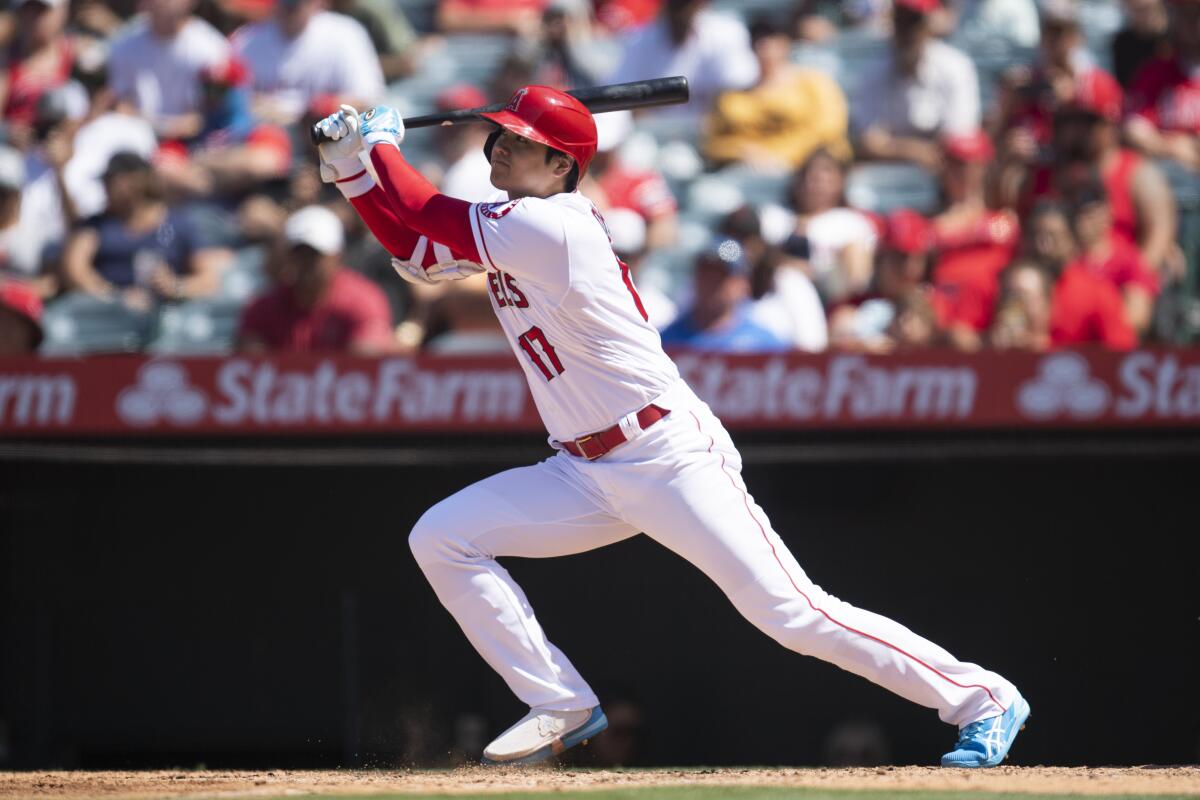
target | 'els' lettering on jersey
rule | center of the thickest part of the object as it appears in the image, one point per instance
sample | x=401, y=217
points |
x=505, y=290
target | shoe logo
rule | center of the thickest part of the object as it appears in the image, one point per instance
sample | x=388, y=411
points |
x=993, y=738
x=161, y=393
x=1064, y=384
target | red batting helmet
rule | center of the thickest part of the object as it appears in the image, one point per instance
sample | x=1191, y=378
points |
x=552, y=118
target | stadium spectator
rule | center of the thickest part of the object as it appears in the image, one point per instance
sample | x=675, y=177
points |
x=317, y=304
x=394, y=38
x=877, y=320
x=139, y=249
x=303, y=52
x=925, y=90
x=836, y=242
x=563, y=53
x=1103, y=253
x=231, y=154
x=466, y=172
x=621, y=16
x=1022, y=318
x=627, y=229
x=519, y=17
x=30, y=220
x=973, y=242
x=612, y=184
x=992, y=21
x=778, y=123
x=1086, y=139
x=688, y=38
x=718, y=319
x=1065, y=74
x=39, y=59
x=468, y=325
x=156, y=65
x=783, y=299
x=1143, y=38
x=20, y=319
x=1164, y=100
x=1085, y=308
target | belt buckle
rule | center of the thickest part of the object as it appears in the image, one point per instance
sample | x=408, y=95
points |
x=581, y=441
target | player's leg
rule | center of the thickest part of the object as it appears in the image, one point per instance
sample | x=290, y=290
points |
x=706, y=515
x=537, y=511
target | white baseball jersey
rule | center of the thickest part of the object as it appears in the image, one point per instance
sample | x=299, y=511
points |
x=570, y=309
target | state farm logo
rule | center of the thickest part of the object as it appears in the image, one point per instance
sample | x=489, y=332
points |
x=162, y=393
x=1064, y=385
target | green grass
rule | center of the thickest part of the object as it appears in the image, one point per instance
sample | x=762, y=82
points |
x=754, y=793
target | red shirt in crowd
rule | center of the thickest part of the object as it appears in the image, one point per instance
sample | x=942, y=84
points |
x=1086, y=308
x=1095, y=89
x=622, y=15
x=1123, y=267
x=644, y=191
x=1118, y=184
x=353, y=312
x=1166, y=96
x=25, y=88
x=970, y=259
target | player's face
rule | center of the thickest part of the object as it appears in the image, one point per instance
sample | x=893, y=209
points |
x=520, y=167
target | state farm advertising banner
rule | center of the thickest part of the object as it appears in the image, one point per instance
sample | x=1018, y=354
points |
x=311, y=394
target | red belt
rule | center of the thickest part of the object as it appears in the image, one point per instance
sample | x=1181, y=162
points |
x=597, y=444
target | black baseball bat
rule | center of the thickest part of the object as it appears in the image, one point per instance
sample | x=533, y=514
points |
x=614, y=97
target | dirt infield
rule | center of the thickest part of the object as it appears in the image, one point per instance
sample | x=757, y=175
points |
x=477, y=780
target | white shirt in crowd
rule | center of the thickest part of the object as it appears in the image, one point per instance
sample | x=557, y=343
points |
x=715, y=57
x=941, y=99
x=39, y=224
x=161, y=77
x=1014, y=21
x=469, y=178
x=793, y=311
x=333, y=55
x=95, y=144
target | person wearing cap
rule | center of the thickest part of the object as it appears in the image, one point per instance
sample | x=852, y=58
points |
x=689, y=38
x=1164, y=98
x=1085, y=306
x=612, y=183
x=156, y=66
x=38, y=59
x=719, y=317
x=20, y=319
x=1087, y=137
x=973, y=241
x=790, y=112
x=303, y=51
x=1109, y=256
x=563, y=52
x=925, y=90
x=139, y=249
x=317, y=304
x=865, y=322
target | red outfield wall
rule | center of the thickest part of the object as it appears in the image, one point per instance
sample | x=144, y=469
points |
x=313, y=394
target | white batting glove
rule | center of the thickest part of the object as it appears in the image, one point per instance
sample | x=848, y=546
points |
x=340, y=156
x=437, y=273
x=382, y=125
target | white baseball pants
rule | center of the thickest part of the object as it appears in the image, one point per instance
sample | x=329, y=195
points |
x=680, y=482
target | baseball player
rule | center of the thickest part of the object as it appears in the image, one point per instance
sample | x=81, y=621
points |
x=638, y=451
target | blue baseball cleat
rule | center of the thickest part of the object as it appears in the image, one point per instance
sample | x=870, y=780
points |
x=541, y=734
x=986, y=743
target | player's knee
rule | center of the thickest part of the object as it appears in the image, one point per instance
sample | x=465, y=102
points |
x=434, y=537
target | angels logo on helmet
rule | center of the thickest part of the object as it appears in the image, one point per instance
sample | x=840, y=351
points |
x=514, y=104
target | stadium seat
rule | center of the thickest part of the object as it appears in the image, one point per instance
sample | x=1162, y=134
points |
x=197, y=327
x=245, y=277
x=78, y=324
x=882, y=187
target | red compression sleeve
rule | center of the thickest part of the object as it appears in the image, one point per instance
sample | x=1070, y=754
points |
x=420, y=207
x=375, y=210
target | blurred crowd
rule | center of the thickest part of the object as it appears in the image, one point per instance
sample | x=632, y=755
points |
x=870, y=175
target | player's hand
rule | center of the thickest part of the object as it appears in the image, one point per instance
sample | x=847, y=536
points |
x=438, y=273
x=339, y=154
x=382, y=124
